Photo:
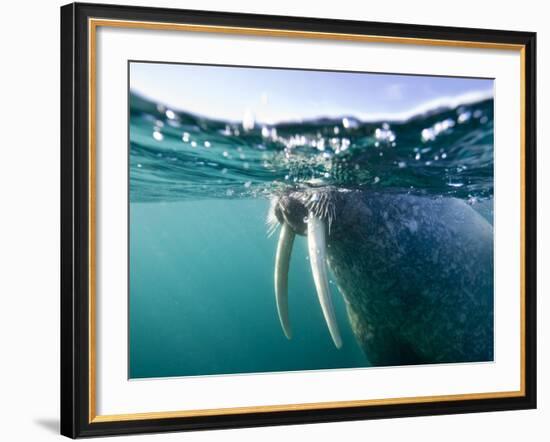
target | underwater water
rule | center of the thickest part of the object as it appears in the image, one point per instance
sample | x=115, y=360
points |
x=201, y=299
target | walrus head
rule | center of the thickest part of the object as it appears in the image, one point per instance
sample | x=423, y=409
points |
x=309, y=213
x=416, y=271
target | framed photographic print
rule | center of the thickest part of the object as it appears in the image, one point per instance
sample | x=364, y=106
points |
x=276, y=220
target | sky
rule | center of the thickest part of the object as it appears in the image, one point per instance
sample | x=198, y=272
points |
x=275, y=95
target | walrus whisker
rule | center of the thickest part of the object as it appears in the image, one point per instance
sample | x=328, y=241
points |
x=316, y=240
x=282, y=263
x=271, y=220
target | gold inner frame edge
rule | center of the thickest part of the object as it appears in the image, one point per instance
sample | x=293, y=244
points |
x=93, y=24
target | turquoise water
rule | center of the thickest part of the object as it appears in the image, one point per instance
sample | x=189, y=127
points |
x=201, y=299
x=202, y=295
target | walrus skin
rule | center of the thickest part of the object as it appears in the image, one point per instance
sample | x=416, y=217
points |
x=416, y=272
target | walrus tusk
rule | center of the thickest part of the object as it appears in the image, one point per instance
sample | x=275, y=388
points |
x=282, y=262
x=317, y=248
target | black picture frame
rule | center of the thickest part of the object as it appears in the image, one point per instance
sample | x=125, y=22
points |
x=75, y=220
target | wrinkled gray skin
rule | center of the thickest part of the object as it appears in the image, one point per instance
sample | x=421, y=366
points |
x=416, y=272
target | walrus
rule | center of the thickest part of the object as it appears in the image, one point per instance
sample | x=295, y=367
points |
x=415, y=271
